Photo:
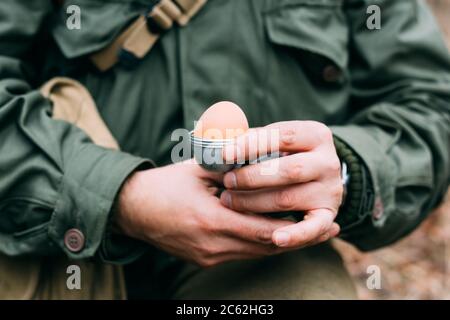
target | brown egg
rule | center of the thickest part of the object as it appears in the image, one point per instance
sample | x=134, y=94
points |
x=223, y=120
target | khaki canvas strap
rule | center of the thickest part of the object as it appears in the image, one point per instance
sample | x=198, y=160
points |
x=138, y=39
x=73, y=103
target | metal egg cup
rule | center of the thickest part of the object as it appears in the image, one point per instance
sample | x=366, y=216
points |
x=209, y=153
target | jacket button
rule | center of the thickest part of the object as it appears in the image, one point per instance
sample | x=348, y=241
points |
x=331, y=74
x=74, y=240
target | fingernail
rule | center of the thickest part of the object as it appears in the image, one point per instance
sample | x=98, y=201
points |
x=230, y=180
x=226, y=199
x=282, y=239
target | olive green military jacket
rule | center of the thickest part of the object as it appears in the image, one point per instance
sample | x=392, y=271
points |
x=385, y=93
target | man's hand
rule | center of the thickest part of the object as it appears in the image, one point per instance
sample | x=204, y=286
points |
x=307, y=179
x=176, y=209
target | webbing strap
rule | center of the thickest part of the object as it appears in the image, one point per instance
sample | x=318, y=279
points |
x=138, y=38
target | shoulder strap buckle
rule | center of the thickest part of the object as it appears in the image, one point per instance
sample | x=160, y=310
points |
x=139, y=38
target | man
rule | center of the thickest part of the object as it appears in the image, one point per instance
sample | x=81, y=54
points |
x=376, y=100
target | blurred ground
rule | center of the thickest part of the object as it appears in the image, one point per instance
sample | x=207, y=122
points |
x=417, y=267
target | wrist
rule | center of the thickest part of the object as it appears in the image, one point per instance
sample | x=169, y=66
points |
x=118, y=246
x=123, y=216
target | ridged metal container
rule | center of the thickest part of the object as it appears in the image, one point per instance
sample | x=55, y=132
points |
x=209, y=153
x=212, y=152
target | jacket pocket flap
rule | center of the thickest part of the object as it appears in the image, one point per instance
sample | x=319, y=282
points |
x=318, y=29
x=99, y=25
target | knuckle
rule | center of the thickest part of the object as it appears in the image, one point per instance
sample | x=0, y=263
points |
x=288, y=137
x=212, y=226
x=285, y=200
x=324, y=237
x=323, y=229
x=324, y=224
x=293, y=172
x=334, y=165
x=263, y=235
x=204, y=223
x=323, y=132
x=194, y=222
x=337, y=193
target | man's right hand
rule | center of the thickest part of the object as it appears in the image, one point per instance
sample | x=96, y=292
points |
x=176, y=209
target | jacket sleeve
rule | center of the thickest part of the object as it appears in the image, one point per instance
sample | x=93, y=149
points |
x=52, y=177
x=400, y=126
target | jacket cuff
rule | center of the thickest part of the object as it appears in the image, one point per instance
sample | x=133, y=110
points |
x=358, y=196
x=379, y=168
x=87, y=191
x=119, y=249
x=116, y=248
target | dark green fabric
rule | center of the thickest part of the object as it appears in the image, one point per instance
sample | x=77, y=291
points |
x=358, y=199
x=400, y=123
x=53, y=178
x=390, y=103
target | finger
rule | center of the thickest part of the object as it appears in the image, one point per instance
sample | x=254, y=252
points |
x=246, y=146
x=297, y=136
x=235, y=249
x=249, y=248
x=289, y=136
x=248, y=227
x=298, y=197
x=296, y=168
x=247, y=256
x=300, y=234
x=217, y=248
x=215, y=261
x=333, y=232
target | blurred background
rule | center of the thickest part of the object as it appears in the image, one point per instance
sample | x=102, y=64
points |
x=417, y=267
